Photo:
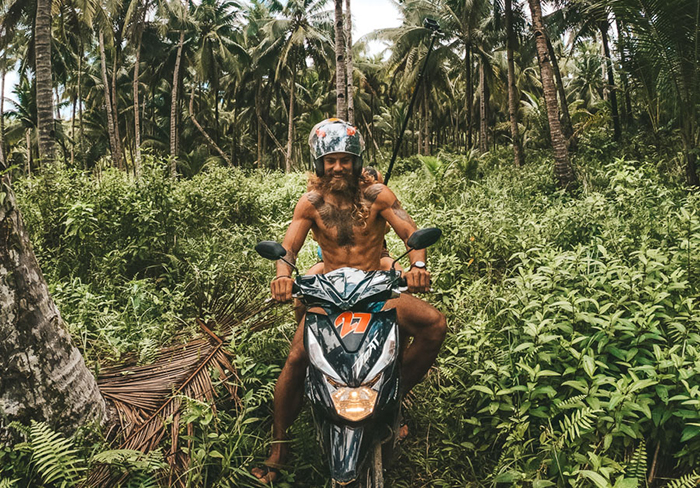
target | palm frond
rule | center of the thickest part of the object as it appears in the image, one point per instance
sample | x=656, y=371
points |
x=148, y=397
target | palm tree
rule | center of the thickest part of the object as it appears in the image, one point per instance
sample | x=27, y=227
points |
x=665, y=44
x=341, y=68
x=300, y=32
x=51, y=381
x=137, y=15
x=586, y=18
x=44, y=85
x=217, y=43
x=513, y=98
x=349, y=64
x=562, y=166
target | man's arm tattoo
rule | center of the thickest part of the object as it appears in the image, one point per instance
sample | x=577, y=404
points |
x=372, y=192
x=400, y=212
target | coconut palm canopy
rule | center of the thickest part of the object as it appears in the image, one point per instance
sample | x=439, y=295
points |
x=253, y=77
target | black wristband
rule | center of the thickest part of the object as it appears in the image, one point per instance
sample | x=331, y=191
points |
x=282, y=276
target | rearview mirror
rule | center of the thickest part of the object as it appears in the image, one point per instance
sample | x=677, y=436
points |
x=270, y=250
x=423, y=238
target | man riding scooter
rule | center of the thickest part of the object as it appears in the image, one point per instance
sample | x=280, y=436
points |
x=348, y=212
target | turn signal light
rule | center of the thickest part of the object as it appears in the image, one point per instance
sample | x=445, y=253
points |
x=354, y=404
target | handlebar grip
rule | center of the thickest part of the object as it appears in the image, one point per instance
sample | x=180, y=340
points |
x=402, y=282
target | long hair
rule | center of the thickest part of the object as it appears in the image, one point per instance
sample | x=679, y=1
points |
x=354, y=192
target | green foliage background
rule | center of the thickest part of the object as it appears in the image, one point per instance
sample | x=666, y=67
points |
x=573, y=353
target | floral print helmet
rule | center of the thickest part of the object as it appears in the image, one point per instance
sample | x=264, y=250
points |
x=335, y=136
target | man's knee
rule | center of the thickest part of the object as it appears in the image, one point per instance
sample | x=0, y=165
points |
x=297, y=358
x=437, y=330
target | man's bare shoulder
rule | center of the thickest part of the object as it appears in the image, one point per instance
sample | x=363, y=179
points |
x=380, y=195
x=307, y=203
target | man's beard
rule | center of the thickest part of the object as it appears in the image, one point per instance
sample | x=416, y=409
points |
x=346, y=185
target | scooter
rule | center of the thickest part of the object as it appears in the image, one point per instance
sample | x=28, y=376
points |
x=353, y=381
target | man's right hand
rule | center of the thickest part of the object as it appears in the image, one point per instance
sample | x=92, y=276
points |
x=281, y=289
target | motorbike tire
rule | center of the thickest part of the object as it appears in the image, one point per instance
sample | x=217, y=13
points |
x=373, y=475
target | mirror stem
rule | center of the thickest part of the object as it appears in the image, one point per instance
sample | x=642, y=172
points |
x=400, y=257
x=291, y=265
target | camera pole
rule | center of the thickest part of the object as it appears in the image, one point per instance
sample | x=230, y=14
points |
x=433, y=26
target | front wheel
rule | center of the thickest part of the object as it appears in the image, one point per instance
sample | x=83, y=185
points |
x=373, y=475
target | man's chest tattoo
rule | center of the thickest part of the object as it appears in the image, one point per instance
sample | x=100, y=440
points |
x=340, y=219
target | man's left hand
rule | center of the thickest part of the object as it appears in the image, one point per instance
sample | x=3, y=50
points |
x=418, y=280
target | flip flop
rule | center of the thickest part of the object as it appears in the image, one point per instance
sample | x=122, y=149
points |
x=266, y=470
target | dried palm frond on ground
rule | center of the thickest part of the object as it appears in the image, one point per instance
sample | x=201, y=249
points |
x=149, y=398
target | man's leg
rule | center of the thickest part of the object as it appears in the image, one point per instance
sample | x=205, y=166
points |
x=427, y=326
x=288, y=397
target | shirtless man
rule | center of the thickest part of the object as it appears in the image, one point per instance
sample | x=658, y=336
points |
x=348, y=213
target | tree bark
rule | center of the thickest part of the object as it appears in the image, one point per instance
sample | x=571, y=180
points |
x=116, y=156
x=341, y=110
x=513, y=98
x=173, y=106
x=426, y=120
x=623, y=72
x=44, y=96
x=563, y=170
x=290, y=127
x=258, y=119
x=469, y=97
x=349, y=78
x=81, y=129
x=72, y=130
x=137, y=122
x=115, y=109
x=2, y=109
x=42, y=375
x=483, y=116
x=28, y=142
x=566, y=125
x=617, y=133
x=137, y=114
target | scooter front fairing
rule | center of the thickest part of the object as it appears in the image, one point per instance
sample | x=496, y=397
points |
x=352, y=382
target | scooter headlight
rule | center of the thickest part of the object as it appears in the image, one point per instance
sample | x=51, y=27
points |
x=354, y=404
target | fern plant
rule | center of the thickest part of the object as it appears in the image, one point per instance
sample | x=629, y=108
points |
x=688, y=481
x=637, y=467
x=55, y=457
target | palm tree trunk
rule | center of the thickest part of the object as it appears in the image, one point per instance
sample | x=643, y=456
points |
x=28, y=142
x=44, y=97
x=80, y=102
x=137, y=114
x=173, y=106
x=42, y=375
x=72, y=130
x=611, y=81
x=116, y=156
x=562, y=167
x=513, y=99
x=623, y=72
x=115, y=110
x=341, y=69
x=470, y=96
x=290, y=127
x=348, y=45
x=2, y=109
x=483, y=119
x=567, y=127
x=258, y=119
x=426, y=120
